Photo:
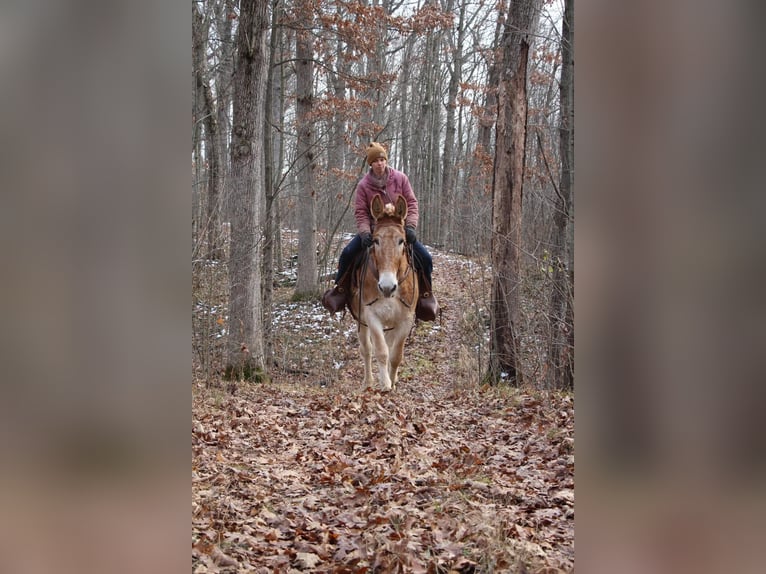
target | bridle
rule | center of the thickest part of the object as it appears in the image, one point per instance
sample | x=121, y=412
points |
x=409, y=271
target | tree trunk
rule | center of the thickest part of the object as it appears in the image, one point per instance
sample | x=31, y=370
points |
x=404, y=99
x=269, y=220
x=307, y=200
x=505, y=336
x=245, y=349
x=197, y=169
x=561, y=351
x=481, y=162
x=209, y=120
x=278, y=139
x=336, y=159
x=489, y=109
x=424, y=87
x=376, y=67
x=225, y=9
x=448, y=160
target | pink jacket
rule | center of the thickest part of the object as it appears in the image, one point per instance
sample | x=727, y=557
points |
x=397, y=184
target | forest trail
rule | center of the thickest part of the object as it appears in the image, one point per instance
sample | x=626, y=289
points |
x=311, y=472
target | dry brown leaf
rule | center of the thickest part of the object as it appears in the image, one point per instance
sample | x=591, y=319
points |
x=294, y=475
x=222, y=559
x=304, y=560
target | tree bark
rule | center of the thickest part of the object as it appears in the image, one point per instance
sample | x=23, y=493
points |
x=423, y=99
x=480, y=184
x=307, y=284
x=489, y=109
x=405, y=95
x=269, y=220
x=212, y=147
x=224, y=11
x=196, y=160
x=505, y=336
x=561, y=350
x=448, y=159
x=245, y=348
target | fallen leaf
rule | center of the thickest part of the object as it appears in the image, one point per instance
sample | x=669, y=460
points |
x=304, y=560
x=222, y=559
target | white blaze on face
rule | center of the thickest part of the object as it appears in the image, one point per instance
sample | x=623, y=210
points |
x=387, y=283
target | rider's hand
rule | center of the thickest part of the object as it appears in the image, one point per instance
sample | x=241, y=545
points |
x=410, y=233
x=366, y=238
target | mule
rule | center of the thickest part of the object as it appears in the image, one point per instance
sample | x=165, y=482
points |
x=384, y=294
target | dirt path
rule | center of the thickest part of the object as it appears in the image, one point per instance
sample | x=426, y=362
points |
x=313, y=473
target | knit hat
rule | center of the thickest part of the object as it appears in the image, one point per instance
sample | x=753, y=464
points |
x=375, y=151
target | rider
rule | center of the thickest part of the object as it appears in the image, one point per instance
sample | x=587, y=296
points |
x=389, y=183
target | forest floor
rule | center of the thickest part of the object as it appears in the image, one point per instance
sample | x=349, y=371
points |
x=311, y=472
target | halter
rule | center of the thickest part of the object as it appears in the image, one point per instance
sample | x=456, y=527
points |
x=365, y=262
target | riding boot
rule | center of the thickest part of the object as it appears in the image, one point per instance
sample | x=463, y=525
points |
x=336, y=298
x=427, y=306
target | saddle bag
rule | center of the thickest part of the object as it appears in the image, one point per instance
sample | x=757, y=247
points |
x=427, y=306
x=334, y=299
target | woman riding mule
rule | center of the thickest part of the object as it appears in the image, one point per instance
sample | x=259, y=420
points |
x=384, y=293
x=389, y=184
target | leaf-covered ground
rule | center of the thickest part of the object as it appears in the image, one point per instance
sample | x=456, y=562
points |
x=313, y=473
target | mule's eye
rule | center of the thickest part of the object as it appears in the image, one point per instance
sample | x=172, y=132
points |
x=401, y=241
x=376, y=241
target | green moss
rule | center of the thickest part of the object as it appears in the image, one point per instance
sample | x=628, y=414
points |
x=247, y=371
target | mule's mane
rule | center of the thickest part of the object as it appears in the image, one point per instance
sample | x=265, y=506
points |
x=388, y=217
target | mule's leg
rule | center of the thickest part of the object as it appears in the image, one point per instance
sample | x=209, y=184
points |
x=381, y=354
x=396, y=352
x=395, y=359
x=366, y=352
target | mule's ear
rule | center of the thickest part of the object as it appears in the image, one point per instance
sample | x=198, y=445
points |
x=376, y=207
x=401, y=208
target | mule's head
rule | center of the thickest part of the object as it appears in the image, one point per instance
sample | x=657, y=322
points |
x=388, y=243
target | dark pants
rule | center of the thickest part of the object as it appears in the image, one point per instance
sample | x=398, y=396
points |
x=423, y=260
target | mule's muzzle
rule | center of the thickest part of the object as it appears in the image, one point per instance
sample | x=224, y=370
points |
x=387, y=284
x=387, y=289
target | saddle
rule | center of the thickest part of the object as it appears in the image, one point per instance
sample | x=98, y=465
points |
x=336, y=298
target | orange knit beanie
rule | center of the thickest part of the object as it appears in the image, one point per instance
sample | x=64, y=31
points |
x=375, y=151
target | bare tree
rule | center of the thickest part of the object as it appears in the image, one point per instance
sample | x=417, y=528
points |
x=245, y=348
x=561, y=351
x=448, y=159
x=426, y=109
x=224, y=17
x=269, y=220
x=212, y=142
x=425, y=78
x=307, y=241
x=507, y=195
